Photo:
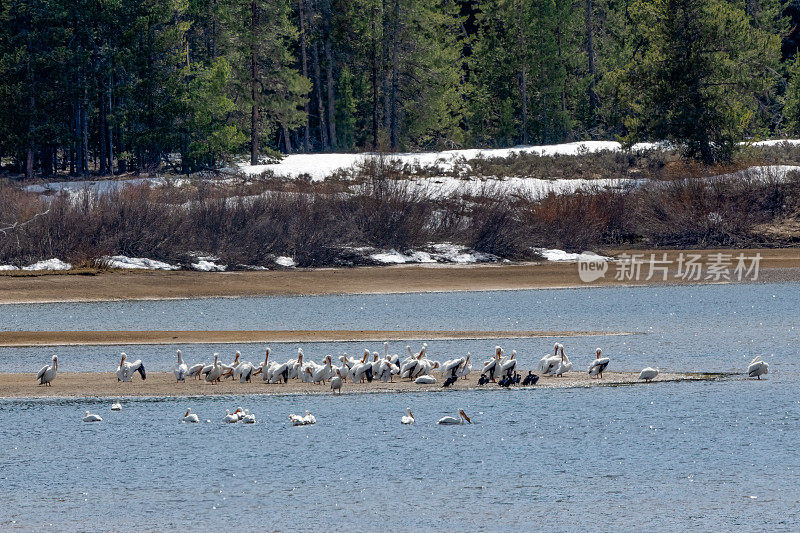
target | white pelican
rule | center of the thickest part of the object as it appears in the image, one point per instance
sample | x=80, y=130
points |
x=409, y=419
x=116, y=406
x=306, y=420
x=336, y=382
x=757, y=368
x=180, y=369
x=249, y=418
x=230, y=418
x=88, y=417
x=598, y=365
x=648, y=374
x=490, y=367
x=465, y=369
x=126, y=370
x=563, y=366
x=244, y=371
x=227, y=370
x=48, y=372
x=194, y=371
x=213, y=372
x=549, y=362
x=508, y=366
x=190, y=416
x=425, y=380
x=450, y=420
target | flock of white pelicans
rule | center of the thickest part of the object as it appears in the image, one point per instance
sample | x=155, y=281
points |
x=415, y=367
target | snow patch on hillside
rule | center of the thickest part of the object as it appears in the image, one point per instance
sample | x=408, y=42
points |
x=319, y=166
x=49, y=264
x=136, y=263
x=560, y=256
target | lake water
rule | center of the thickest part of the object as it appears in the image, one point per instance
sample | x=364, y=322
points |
x=702, y=455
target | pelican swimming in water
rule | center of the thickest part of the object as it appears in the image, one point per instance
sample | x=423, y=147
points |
x=190, y=416
x=116, y=406
x=757, y=368
x=648, y=374
x=230, y=418
x=180, y=370
x=125, y=370
x=450, y=420
x=409, y=418
x=248, y=418
x=48, y=372
x=598, y=365
x=89, y=417
x=306, y=420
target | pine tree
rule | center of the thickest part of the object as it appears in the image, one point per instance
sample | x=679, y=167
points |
x=695, y=80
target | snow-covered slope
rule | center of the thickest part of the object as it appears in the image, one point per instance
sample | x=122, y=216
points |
x=318, y=166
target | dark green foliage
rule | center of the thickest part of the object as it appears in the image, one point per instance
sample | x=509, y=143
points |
x=143, y=85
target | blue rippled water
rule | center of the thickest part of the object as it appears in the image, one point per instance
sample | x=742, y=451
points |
x=708, y=456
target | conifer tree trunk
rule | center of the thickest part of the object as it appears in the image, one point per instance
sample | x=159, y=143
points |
x=592, y=95
x=323, y=126
x=254, y=86
x=393, y=126
x=523, y=81
x=374, y=79
x=331, y=101
x=304, y=65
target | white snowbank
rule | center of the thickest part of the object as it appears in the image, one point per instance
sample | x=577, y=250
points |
x=121, y=261
x=206, y=265
x=435, y=253
x=556, y=255
x=49, y=264
x=8, y=267
x=393, y=257
x=285, y=261
x=775, y=142
x=319, y=166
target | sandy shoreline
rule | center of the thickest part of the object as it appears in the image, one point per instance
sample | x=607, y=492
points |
x=110, y=338
x=776, y=265
x=162, y=384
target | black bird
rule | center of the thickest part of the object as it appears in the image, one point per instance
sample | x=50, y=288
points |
x=483, y=380
x=449, y=381
x=530, y=379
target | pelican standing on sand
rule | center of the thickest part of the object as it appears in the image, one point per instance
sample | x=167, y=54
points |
x=648, y=374
x=126, y=370
x=336, y=382
x=180, y=369
x=757, y=368
x=451, y=420
x=48, y=372
x=89, y=417
x=598, y=365
x=408, y=419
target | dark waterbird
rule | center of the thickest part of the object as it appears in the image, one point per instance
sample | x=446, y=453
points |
x=449, y=381
x=530, y=379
